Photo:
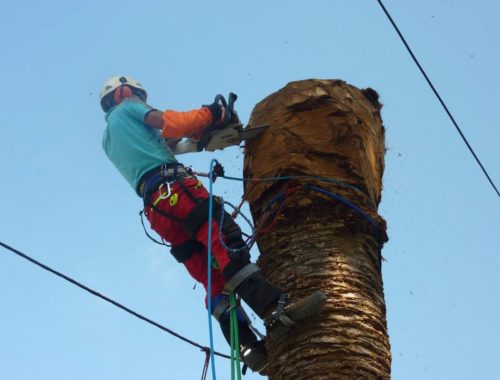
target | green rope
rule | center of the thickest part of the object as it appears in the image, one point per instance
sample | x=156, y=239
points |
x=235, y=344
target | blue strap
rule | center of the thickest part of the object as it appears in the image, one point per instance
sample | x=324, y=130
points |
x=209, y=268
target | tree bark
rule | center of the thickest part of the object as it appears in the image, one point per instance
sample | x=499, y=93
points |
x=317, y=240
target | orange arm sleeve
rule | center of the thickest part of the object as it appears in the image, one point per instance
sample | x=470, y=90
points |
x=185, y=124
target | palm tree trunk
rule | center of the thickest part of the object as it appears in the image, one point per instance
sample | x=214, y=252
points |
x=317, y=240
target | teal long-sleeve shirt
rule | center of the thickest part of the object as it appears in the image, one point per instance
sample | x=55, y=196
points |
x=133, y=147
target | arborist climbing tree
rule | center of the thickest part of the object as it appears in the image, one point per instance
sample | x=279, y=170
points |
x=142, y=143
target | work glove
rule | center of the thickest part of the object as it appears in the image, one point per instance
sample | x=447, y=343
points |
x=222, y=114
x=217, y=112
x=223, y=111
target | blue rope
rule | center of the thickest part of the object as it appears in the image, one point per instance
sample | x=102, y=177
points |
x=289, y=177
x=347, y=203
x=209, y=268
x=247, y=219
x=280, y=199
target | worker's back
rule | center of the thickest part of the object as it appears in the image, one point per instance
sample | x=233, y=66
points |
x=133, y=147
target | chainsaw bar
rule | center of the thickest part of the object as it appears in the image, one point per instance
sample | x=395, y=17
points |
x=252, y=133
x=232, y=135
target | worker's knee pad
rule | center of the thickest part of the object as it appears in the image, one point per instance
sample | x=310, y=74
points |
x=255, y=290
x=238, y=277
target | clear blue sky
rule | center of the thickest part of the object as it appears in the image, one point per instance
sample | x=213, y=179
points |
x=63, y=203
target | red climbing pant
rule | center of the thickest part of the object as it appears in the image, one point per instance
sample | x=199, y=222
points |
x=179, y=205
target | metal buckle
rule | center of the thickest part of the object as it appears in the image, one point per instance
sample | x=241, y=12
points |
x=163, y=170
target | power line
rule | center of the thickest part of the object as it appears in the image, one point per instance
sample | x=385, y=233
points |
x=438, y=96
x=107, y=299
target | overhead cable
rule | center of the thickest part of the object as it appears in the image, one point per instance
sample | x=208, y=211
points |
x=439, y=97
x=107, y=299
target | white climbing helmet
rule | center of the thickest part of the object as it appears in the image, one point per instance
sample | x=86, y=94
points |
x=107, y=97
x=114, y=82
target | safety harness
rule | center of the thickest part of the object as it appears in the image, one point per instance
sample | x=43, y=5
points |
x=160, y=180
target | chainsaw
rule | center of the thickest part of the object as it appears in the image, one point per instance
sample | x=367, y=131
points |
x=229, y=135
x=229, y=132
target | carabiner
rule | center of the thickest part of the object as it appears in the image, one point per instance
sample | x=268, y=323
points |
x=166, y=194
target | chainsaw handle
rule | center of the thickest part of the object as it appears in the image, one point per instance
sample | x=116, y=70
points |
x=228, y=106
x=230, y=101
x=220, y=99
x=229, y=117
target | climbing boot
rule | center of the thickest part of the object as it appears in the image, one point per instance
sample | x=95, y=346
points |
x=253, y=352
x=254, y=356
x=286, y=314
